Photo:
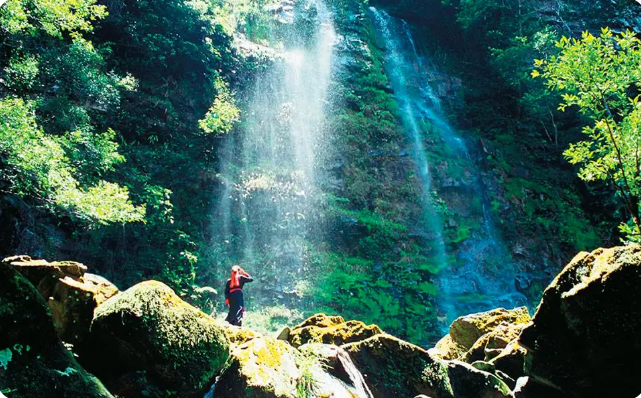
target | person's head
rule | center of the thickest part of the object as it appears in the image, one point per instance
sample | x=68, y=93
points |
x=235, y=268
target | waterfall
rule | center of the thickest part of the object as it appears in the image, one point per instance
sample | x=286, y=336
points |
x=273, y=189
x=477, y=273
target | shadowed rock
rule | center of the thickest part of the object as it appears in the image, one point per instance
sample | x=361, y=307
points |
x=584, y=339
x=33, y=360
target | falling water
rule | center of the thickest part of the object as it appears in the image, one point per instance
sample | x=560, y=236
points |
x=272, y=188
x=480, y=275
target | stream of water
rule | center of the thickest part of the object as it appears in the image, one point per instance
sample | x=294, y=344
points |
x=477, y=274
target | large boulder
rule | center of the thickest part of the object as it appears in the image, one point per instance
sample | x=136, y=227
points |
x=33, y=360
x=584, y=339
x=500, y=324
x=321, y=328
x=71, y=293
x=149, y=330
x=395, y=368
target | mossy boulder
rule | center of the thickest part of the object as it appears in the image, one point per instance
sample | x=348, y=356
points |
x=584, y=337
x=261, y=367
x=467, y=330
x=325, y=329
x=33, y=360
x=148, y=328
x=470, y=382
x=395, y=368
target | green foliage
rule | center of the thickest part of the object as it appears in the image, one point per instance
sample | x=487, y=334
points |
x=597, y=74
x=222, y=115
x=40, y=167
x=51, y=16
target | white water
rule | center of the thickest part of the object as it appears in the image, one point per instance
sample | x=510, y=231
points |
x=272, y=181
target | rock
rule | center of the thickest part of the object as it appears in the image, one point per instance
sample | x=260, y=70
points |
x=498, y=338
x=395, y=368
x=338, y=364
x=43, y=274
x=511, y=360
x=284, y=334
x=525, y=388
x=237, y=335
x=72, y=304
x=469, y=382
x=33, y=360
x=262, y=367
x=71, y=293
x=467, y=330
x=148, y=328
x=484, y=366
x=584, y=337
x=321, y=328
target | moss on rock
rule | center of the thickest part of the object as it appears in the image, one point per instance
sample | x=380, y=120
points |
x=149, y=328
x=321, y=328
x=261, y=367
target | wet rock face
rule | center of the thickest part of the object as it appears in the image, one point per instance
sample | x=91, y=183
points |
x=148, y=328
x=585, y=334
x=33, y=360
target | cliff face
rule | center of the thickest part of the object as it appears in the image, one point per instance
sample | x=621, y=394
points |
x=433, y=185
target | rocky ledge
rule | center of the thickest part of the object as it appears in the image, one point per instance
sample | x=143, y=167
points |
x=583, y=341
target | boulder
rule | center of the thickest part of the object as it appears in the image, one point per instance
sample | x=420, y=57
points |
x=71, y=293
x=73, y=301
x=33, y=360
x=394, y=368
x=43, y=274
x=498, y=338
x=584, y=338
x=261, y=367
x=238, y=335
x=467, y=330
x=470, y=382
x=148, y=328
x=321, y=328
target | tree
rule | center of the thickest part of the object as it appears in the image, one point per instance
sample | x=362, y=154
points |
x=601, y=76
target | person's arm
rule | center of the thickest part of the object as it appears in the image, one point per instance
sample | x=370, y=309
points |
x=246, y=278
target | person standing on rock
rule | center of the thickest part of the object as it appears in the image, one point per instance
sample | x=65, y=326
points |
x=234, y=295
